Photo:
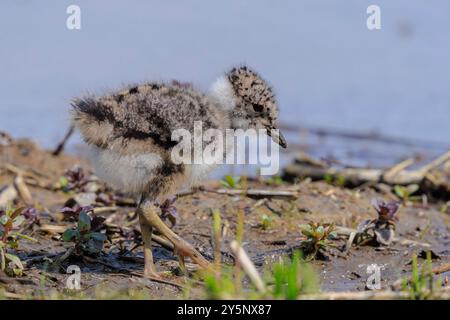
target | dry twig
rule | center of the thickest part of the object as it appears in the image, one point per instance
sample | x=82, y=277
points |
x=60, y=147
x=248, y=266
x=23, y=190
x=257, y=193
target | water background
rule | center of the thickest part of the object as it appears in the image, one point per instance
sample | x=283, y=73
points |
x=328, y=70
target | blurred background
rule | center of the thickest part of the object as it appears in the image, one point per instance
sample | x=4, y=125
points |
x=347, y=94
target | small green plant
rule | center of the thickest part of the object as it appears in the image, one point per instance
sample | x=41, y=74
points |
x=86, y=235
x=405, y=193
x=220, y=286
x=231, y=182
x=220, y=282
x=292, y=278
x=9, y=240
x=422, y=286
x=339, y=180
x=275, y=181
x=217, y=232
x=328, y=178
x=445, y=207
x=63, y=184
x=318, y=237
x=287, y=279
x=266, y=222
x=73, y=179
x=425, y=230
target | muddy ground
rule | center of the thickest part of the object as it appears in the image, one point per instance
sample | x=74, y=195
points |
x=109, y=273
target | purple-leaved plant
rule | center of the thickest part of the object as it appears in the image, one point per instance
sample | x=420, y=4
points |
x=387, y=211
x=379, y=230
x=86, y=235
x=73, y=179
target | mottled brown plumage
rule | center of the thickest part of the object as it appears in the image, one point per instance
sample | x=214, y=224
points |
x=146, y=112
x=130, y=132
x=255, y=99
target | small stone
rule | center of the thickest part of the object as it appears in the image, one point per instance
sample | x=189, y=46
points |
x=85, y=199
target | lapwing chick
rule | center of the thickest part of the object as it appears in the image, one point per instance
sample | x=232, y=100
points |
x=130, y=133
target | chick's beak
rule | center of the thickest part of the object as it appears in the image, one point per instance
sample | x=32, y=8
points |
x=277, y=137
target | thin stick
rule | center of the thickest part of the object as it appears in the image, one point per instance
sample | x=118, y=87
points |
x=11, y=295
x=163, y=242
x=23, y=190
x=258, y=193
x=442, y=268
x=28, y=262
x=390, y=173
x=239, y=239
x=39, y=184
x=350, y=241
x=344, y=231
x=60, y=147
x=12, y=168
x=435, y=163
x=365, y=295
x=155, y=279
x=53, y=228
x=66, y=255
x=217, y=228
x=105, y=210
x=7, y=195
x=435, y=271
x=248, y=266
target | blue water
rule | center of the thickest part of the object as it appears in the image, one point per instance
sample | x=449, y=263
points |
x=327, y=68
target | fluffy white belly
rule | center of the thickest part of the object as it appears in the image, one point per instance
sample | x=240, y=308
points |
x=125, y=173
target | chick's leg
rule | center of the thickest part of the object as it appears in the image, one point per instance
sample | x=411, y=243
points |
x=146, y=231
x=166, y=181
x=149, y=212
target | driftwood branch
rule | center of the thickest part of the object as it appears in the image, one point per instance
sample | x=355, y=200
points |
x=396, y=175
x=391, y=173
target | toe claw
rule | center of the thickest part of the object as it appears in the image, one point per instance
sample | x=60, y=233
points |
x=151, y=274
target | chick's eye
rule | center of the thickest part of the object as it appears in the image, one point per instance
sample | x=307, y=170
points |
x=258, y=107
